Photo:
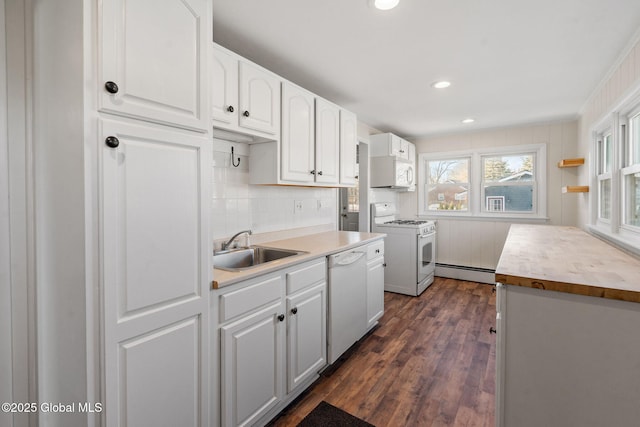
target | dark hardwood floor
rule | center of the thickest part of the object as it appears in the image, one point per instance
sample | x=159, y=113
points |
x=430, y=362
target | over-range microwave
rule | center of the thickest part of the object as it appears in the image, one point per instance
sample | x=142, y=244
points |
x=391, y=172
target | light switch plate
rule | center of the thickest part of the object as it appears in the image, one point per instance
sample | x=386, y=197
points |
x=297, y=206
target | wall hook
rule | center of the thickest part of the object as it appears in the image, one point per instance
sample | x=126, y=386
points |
x=233, y=161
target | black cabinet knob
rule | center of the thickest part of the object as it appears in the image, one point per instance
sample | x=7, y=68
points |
x=246, y=113
x=377, y=251
x=320, y=173
x=492, y=330
x=230, y=109
x=281, y=317
x=384, y=265
x=111, y=87
x=313, y=172
x=294, y=310
x=112, y=141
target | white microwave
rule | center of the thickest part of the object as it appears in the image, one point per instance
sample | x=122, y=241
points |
x=391, y=172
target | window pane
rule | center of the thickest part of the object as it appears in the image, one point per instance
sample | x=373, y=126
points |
x=634, y=140
x=353, y=197
x=632, y=184
x=605, y=199
x=448, y=185
x=605, y=154
x=508, y=198
x=512, y=168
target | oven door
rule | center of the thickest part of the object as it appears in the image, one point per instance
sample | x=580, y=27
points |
x=426, y=256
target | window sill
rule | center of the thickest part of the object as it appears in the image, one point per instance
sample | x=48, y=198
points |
x=485, y=217
x=629, y=245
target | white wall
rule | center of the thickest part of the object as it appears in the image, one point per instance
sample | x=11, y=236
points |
x=478, y=243
x=6, y=377
x=622, y=79
x=237, y=205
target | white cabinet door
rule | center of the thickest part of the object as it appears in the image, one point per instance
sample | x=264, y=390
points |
x=399, y=147
x=307, y=344
x=154, y=55
x=412, y=152
x=375, y=291
x=224, y=100
x=156, y=273
x=251, y=366
x=259, y=95
x=327, y=142
x=348, y=148
x=298, y=134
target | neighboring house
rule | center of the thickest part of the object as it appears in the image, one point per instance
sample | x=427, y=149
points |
x=518, y=198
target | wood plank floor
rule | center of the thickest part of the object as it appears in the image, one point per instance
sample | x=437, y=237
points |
x=430, y=362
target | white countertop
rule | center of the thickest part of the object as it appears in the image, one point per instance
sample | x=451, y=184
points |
x=316, y=245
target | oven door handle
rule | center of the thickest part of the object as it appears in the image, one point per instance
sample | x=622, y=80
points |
x=427, y=236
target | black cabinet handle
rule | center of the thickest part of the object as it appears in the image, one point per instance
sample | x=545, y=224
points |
x=281, y=317
x=320, y=173
x=246, y=113
x=230, y=109
x=492, y=330
x=111, y=87
x=377, y=251
x=294, y=310
x=112, y=141
x=313, y=172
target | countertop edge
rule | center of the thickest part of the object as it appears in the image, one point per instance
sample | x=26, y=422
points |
x=289, y=262
x=569, y=288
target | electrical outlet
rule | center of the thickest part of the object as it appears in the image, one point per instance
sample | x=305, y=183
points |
x=297, y=206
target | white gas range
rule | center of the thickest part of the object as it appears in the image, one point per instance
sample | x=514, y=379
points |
x=410, y=249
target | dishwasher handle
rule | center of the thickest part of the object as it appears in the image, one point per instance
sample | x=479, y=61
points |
x=346, y=259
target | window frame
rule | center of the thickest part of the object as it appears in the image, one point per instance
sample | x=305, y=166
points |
x=617, y=230
x=627, y=167
x=476, y=202
x=602, y=174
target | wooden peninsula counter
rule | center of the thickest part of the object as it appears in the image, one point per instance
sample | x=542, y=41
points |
x=568, y=330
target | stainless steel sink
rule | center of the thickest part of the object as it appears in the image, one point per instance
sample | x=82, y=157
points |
x=251, y=257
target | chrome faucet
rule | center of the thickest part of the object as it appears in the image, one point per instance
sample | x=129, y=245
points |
x=226, y=245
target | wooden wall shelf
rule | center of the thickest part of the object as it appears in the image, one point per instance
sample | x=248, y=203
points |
x=571, y=163
x=575, y=189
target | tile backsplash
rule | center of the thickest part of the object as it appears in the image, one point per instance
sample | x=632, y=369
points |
x=237, y=205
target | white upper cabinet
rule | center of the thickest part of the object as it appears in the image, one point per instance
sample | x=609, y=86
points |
x=152, y=65
x=259, y=99
x=327, y=142
x=245, y=97
x=224, y=102
x=298, y=134
x=388, y=144
x=348, y=148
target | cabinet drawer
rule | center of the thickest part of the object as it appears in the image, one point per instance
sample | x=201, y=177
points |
x=375, y=250
x=249, y=298
x=305, y=276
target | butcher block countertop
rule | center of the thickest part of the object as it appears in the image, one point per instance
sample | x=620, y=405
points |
x=567, y=259
x=316, y=245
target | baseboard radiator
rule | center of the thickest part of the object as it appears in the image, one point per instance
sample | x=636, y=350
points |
x=461, y=272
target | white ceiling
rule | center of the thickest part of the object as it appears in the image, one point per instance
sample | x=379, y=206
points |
x=509, y=61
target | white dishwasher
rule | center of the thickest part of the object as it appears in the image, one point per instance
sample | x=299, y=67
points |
x=347, y=300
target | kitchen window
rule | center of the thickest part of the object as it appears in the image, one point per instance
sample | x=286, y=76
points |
x=448, y=184
x=506, y=182
x=616, y=176
x=631, y=173
x=604, y=165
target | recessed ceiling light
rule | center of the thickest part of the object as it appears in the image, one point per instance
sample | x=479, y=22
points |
x=469, y=120
x=385, y=4
x=441, y=84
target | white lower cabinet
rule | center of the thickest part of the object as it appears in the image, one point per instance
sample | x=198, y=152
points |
x=272, y=332
x=306, y=337
x=375, y=283
x=251, y=366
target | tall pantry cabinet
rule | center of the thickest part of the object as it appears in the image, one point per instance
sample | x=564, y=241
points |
x=121, y=147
